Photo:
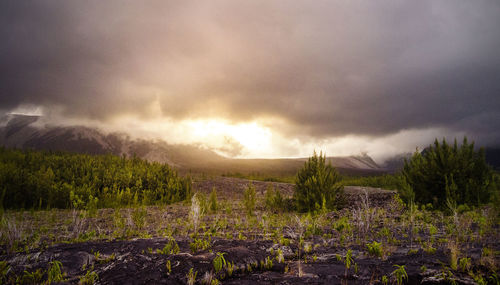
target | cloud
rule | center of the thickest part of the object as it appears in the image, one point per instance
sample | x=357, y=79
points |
x=320, y=69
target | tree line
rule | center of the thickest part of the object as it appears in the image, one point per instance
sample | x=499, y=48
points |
x=32, y=179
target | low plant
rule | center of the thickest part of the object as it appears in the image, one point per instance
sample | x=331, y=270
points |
x=219, y=262
x=4, y=270
x=54, y=273
x=89, y=278
x=375, y=249
x=273, y=199
x=454, y=251
x=488, y=258
x=34, y=277
x=400, y=274
x=168, y=266
x=464, y=264
x=200, y=244
x=384, y=280
x=191, y=276
x=423, y=268
x=171, y=247
x=268, y=263
x=279, y=256
x=139, y=217
x=230, y=268
x=348, y=261
x=249, y=199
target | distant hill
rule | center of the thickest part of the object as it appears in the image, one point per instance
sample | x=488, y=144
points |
x=21, y=131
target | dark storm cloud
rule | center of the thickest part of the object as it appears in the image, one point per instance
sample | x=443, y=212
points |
x=328, y=68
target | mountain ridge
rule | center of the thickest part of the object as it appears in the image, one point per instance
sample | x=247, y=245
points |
x=27, y=132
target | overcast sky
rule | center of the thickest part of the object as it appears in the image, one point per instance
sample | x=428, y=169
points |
x=344, y=76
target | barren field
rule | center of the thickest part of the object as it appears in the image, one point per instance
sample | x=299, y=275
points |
x=367, y=242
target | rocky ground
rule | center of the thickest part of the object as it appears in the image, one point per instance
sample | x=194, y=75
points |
x=272, y=248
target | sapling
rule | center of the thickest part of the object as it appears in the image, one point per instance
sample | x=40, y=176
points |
x=400, y=274
x=168, y=265
x=411, y=213
x=230, y=268
x=54, y=273
x=191, y=276
x=348, y=261
x=219, y=262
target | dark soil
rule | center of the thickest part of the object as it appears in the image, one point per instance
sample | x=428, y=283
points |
x=135, y=264
x=137, y=261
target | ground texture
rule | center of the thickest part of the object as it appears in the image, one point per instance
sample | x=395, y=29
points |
x=159, y=245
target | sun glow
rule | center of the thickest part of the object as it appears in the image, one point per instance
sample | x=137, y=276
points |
x=250, y=135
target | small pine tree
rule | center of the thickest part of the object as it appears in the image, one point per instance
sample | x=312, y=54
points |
x=317, y=184
x=249, y=199
x=274, y=201
x=448, y=173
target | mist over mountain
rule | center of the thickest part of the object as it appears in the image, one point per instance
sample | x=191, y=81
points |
x=29, y=132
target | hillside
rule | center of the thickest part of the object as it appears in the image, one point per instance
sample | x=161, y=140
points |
x=27, y=132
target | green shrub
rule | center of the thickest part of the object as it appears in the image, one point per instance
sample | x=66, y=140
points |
x=89, y=278
x=213, y=201
x=219, y=262
x=54, y=273
x=249, y=199
x=400, y=274
x=43, y=179
x=317, y=185
x=443, y=172
x=274, y=200
x=375, y=249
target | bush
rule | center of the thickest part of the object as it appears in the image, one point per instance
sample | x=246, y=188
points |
x=444, y=173
x=213, y=201
x=32, y=179
x=274, y=200
x=249, y=199
x=317, y=185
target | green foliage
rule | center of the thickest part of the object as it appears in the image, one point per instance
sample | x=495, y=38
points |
x=375, y=249
x=230, y=267
x=219, y=262
x=171, y=247
x=199, y=244
x=4, y=269
x=168, y=266
x=249, y=199
x=54, y=273
x=464, y=264
x=400, y=274
x=273, y=199
x=386, y=181
x=213, y=201
x=191, y=277
x=34, y=277
x=286, y=177
x=89, y=278
x=268, y=263
x=317, y=183
x=41, y=179
x=348, y=260
x=443, y=172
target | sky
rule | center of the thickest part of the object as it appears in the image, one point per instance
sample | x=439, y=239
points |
x=259, y=78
